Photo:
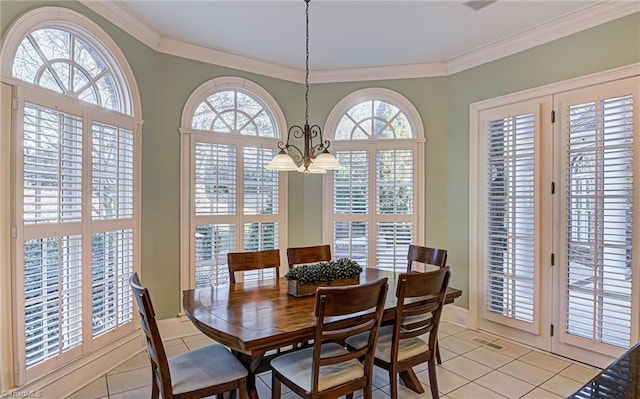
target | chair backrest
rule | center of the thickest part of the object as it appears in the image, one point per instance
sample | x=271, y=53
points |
x=157, y=355
x=302, y=255
x=419, y=307
x=426, y=255
x=243, y=261
x=345, y=311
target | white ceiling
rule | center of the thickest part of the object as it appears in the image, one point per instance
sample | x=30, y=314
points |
x=349, y=34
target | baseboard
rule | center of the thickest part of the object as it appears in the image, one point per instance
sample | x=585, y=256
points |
x=77, y=374
x=455, y=315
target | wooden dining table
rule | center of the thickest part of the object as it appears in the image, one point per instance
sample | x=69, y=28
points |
x=255, y=317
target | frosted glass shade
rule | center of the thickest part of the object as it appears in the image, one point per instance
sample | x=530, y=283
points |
x=282, y=162
x=327, y=161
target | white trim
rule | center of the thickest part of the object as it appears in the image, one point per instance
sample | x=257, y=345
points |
x=68, y=379
x=597, y=14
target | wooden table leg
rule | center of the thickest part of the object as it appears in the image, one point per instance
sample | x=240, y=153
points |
x=251, y=362
x=411, y=381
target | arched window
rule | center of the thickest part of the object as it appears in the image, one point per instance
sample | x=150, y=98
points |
x=374, y=205
x=233, y=203
x=76, y=187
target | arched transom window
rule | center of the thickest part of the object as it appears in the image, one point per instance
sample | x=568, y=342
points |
x=233, y=203
x=373, y=204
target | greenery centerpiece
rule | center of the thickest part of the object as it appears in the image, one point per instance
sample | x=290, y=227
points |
x=303, y=280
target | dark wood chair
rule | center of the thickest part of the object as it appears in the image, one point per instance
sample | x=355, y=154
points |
x=244, y=261
x=210, y=370
x=399, y=345
x=303, y=255
x=426, y=255
x=327, y=369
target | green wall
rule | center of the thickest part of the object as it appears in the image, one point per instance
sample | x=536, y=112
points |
x=165, y=83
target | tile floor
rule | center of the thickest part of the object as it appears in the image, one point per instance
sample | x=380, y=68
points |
x=473, y=368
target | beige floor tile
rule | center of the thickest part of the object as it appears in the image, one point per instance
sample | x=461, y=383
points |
x=404, y=392
x=509, y=348
x=488, y=357
x=580, y=373
x=129, y=380
x=447, y=380
x=562, y=386
x=176, y=349
x=446, y=354
x=540, y=393
x=505, y=384
x=96, y=389
x=138, y=361
x=138, y=393
x=474, y=391
x=457, y=345
x=450, y=328
x=545, y=361
x=526, y=372
x=380, y=377
x=172, y=342
x=195, y=344
x=466, y=368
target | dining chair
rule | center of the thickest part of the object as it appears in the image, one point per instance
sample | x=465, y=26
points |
x=327, y=369
x=210, y=370
x=400, y=345
x=303, y=255
x=427, y=256
x=256, y=260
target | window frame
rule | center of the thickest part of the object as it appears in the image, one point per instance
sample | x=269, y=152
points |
x=371, y=146
x=130, y=118
x=189, y=136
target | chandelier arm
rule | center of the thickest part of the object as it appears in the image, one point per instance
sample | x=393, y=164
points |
x=297, y=155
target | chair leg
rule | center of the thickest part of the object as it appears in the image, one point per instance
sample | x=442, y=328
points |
x=242, y=389
x=155, y=391
x=367, y=392
x=393, y=383
x=433, y=380
x=438, y=358
x=275, y=386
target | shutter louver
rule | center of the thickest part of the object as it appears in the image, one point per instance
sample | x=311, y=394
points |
x=112, y=254
x=52, y=297
x=112, y=172
x=52, y=143
x=260, y=184
x=599, y=142
x=213, y=243
x=351, y=183
x=394, y=182
x=215, y=179
x=510, y=214
x=351, y=240
x=392, y=245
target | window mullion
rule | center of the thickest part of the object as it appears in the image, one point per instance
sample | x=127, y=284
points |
x=87, y=229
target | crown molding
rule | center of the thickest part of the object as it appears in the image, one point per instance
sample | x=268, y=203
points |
x=227, y=59
x=117, y=14
x=378, y=73
x=557, y=28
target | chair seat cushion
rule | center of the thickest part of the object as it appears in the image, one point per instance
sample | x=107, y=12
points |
x=406, y=348
x=296, y=366
x=204, y=367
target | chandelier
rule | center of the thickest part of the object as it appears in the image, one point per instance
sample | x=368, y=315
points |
x=314, y=156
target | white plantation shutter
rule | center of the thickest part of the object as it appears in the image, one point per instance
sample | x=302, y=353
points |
x=510, y=179
x=394, y=182
x=52, y=142
x=213, y=243
x=392, y=245
x=260, y=185
x=52, y=297
x=599, y=225
x=112, y=256
x=215, y=179
x=112, y=172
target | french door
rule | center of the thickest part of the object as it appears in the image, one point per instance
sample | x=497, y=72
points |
x=556, y=221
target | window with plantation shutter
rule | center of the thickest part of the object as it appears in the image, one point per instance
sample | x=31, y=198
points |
x=510, y=217
x=552, y=227
x=599, y=156
x=75, y=191
x=233, y=203
x=372, y=213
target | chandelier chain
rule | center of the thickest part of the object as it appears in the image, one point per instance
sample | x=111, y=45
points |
x=306, y=76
